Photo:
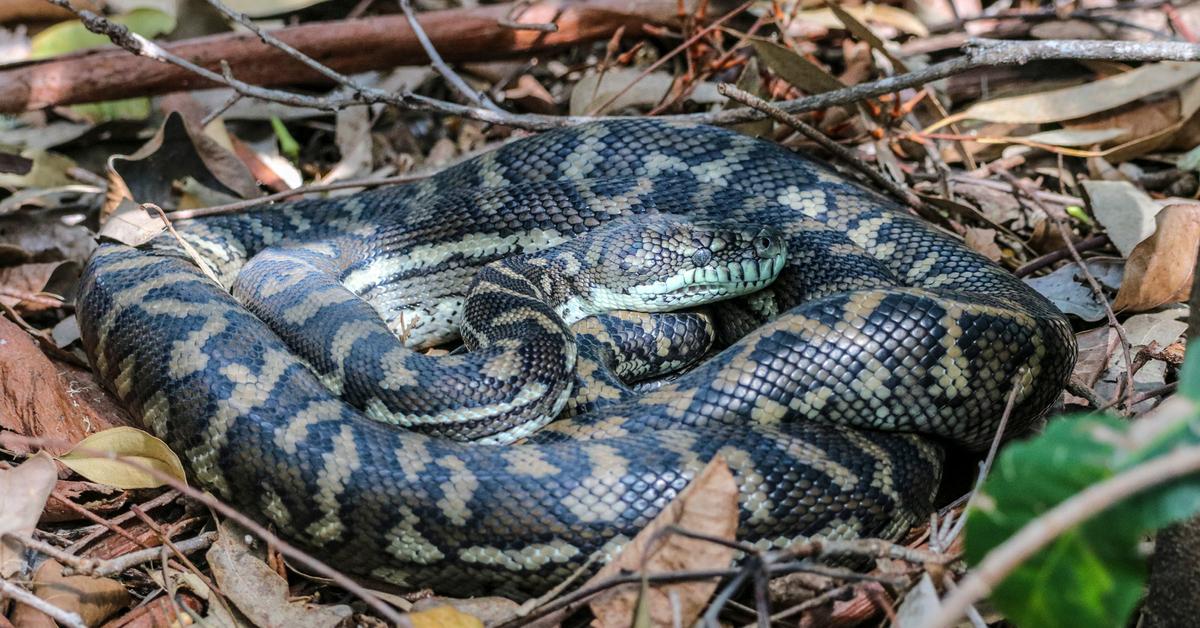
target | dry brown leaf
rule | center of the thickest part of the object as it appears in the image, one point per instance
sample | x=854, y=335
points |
x=40, y=398
x=490, y=610
x=709, y=505
x=93, y=599
x=983, y=241
x=176, y=151
x=23, y=494
x=795, y=68
x=260, y=593
x=1159, y=269
x=1078, y=101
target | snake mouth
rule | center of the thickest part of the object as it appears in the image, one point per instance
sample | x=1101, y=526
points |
x=701, y=285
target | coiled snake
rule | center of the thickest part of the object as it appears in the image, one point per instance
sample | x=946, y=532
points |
x=888, y=338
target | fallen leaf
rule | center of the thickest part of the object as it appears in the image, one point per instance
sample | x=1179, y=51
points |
x=1081, y=100
x=490, y=610
x=263, y=8
x=93, y=599
x=442, y=617
x=921, y=604
x=983, y=241
x=353, y=135
x=794, y=67
x=103, y=458
x=1162, y=327
x=1096, y=347
x=218, y=616
x=40, y=398
x=71, y=35
x=1070, y=292
x=709, y=505
x=595, y=90
x=260, y=593
x=23, y=494
x=888, y=15
x=1126, y=212
x=1159, y=269
x=176, y=151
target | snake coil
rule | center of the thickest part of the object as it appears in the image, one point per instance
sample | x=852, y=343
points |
x=887, y=340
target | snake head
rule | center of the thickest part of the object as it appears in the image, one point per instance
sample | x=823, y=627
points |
x=658, y=263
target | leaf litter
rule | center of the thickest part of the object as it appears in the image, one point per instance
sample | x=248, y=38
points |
x=1106, y=148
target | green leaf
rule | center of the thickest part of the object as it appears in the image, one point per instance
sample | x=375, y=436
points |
x=1093, y=574
x=1189, y=375
x=288, y=145
x=104, y=458
x=70, y=36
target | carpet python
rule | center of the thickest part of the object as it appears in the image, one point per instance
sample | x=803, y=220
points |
x=881, y=341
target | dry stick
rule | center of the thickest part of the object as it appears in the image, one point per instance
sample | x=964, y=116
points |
x=904, y=195
x=1086, y=244
x=1073, y=511
x=77, y=563
x=285, y=548
x=63, y=617
x=232, y=208
x=439, y=65
x=1065, y=233
x=119, y=564
x=160, y=500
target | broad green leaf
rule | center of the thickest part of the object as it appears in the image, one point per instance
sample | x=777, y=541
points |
x=1093, y=574
x=104, y=458
x=1189, y=377
x=70, y=36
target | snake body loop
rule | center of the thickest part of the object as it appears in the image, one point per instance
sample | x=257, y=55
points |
x=889, y=339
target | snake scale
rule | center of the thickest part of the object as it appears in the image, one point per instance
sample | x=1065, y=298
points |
x=884, y=340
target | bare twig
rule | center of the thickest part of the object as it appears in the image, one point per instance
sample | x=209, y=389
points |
x=239, y=206
x=1086, y=244
x=1076, y=509
x=119, y=564
x=287, y=549
x=63, y=617
x=439, y=65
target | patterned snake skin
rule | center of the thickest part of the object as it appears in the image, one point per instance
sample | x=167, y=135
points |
x=888, y=338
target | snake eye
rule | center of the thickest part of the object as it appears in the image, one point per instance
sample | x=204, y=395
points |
x=701, y=257
x=765, y=245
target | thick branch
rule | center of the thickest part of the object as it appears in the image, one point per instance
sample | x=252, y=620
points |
x=349, y=46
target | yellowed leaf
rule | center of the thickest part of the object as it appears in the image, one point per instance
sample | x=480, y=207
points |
x=23, y=494
x=104, y=458
x=1159, y=269
x=709, y=505
x=443, y=617
x=879, y=13
x=1078, y=101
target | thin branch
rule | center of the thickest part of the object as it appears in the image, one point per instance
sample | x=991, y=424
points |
x=510, y=20
x=1038, y=533
x=121, y=563
x=63, y=617
x=439, y=65
x=287, y=549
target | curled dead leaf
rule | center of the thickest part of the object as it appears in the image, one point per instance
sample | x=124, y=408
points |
x=105, y=458
x=709, y=506
x=23, y=494
x=1160, y=268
